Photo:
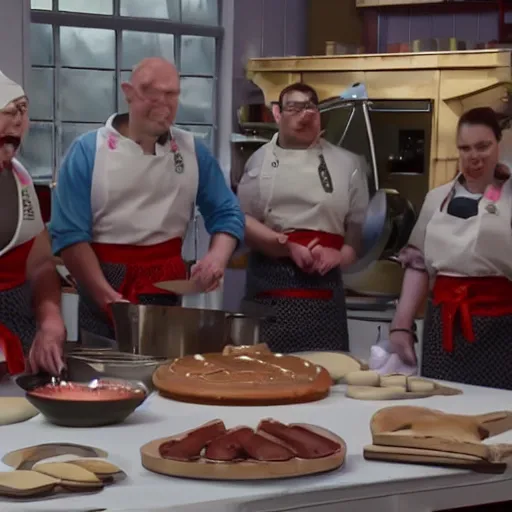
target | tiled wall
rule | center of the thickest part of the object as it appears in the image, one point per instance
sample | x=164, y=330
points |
x=265, y=28
x=474, y=27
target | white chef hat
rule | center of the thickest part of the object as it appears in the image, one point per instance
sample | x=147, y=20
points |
x=9, y=91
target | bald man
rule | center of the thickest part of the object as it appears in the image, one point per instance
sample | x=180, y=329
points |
x=125, y=195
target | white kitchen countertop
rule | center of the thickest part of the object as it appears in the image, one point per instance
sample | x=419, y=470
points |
x=361, y=485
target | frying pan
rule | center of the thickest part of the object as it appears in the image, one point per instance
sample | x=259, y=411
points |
x=389, y=221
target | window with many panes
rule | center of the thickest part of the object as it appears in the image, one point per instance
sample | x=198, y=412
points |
x=82, y=50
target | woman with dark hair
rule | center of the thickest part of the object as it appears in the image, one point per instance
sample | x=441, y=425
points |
x=461, y=252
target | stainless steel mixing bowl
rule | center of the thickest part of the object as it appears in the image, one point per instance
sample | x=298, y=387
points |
x=87, y=364
x=170, y=332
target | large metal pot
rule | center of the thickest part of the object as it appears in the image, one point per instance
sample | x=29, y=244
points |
x=164, y=331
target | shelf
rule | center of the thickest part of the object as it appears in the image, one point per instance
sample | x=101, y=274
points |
x=385, y=3
x=435, y=5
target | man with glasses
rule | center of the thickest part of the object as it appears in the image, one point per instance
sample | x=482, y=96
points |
x=305, y=201
x=30, y=292
x=124, y=197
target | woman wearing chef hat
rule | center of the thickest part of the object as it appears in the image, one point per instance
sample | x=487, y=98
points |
x=460, y=250
x=305, y=201
x=30, y=317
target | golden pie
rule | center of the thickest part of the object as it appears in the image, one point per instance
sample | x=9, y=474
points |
x=242, y=378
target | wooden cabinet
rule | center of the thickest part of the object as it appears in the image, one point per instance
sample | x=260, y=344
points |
x=338, y=21
x=453, y=81
x=505, y=21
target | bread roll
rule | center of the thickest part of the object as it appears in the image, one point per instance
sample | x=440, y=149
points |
x=418, y=385
x=394, y=380
x=336, y=364
x=374, y=393
x=363, y=378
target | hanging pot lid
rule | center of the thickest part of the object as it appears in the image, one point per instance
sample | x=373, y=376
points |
x=375, y=233
x=387, y=226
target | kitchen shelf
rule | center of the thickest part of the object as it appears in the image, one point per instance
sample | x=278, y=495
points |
x=436, y=5
x=383, y=3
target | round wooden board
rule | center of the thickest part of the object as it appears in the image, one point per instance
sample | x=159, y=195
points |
x=246, y=470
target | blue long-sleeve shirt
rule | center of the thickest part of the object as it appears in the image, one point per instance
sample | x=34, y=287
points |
x=72, y=218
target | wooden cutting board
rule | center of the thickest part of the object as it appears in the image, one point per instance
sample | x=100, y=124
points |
x=428, y=429
x=244, y=470
x=431, y=458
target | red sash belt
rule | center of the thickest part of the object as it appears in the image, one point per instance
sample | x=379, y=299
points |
x=305, y=237
x=472, y=296
x=13, y=270
x=145, y=265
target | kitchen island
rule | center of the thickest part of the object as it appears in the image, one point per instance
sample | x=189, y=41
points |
x=360, y=485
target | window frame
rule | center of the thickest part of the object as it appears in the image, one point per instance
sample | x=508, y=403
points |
x=118, y=24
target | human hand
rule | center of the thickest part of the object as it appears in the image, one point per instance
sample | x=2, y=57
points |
x=402, y=343
x=325, y=259
x=46, y=351
x=208, y=271
x=301, y=255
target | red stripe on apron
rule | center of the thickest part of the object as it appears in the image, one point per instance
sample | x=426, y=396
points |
x=145, y=265
x=13, y=273
x=305, y=237
x=470, y=296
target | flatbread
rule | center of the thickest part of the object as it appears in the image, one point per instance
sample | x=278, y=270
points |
x=14, y=409
x=336, y=363
x=67, y=472
x=97, y=466
x=25, y=483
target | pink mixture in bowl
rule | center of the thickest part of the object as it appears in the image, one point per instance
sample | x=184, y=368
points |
x=96, y=392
